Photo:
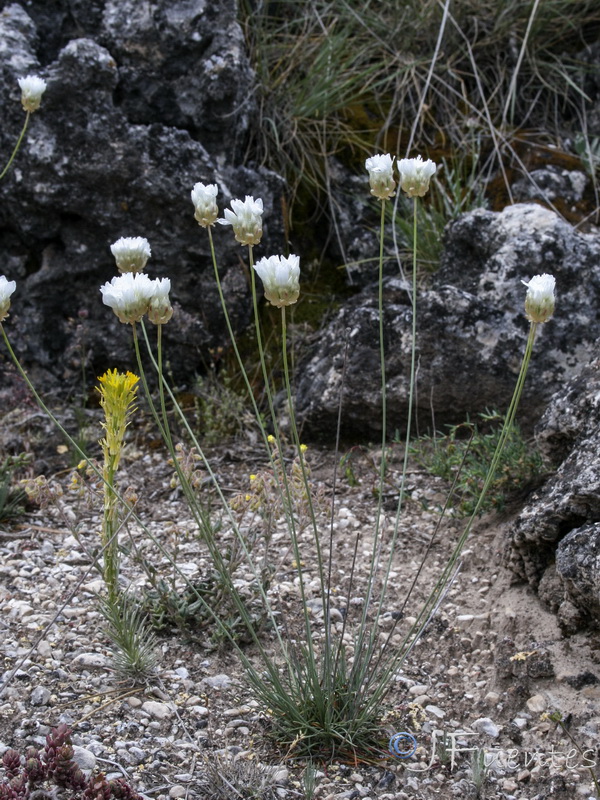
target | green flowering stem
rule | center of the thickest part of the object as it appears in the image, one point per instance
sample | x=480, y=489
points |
x=232, y=336
x=325, y=589
x=382, y=678
x=282, y=474
x=17, y=146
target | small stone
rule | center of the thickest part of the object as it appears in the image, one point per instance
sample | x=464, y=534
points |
x=436, y=711
x=218, y=681
x=90, y=661
x=182, y=673
x=40, y=696
x=44, y=649
x=485, y=725
x=281, y=776
x=85, y=759
x=537, y=704
x=157, y=710
x=177, y=791
x=492, y=698
x=134, y=702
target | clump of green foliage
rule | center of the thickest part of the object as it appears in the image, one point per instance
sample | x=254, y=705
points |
x=466, y=450
x=12, y=496
x=221, y=409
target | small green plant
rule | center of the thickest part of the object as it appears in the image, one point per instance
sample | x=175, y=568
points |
x=12, y=498
x=222, y=411
x=228, y=778
x=479, y=771
x=467, y=450
x=133, y=643
x=52, y=772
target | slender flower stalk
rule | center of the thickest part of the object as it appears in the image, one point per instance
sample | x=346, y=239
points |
x=32, y=89
x=451, y=567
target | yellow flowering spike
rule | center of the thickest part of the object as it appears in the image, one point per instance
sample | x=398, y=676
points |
x=117, y=396
x=303, y=448
x=271, y=439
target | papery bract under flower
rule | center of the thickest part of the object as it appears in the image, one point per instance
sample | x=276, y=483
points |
x=246, y=219
x=280, y=277
x=381, y=176
x=32, y=88
x=204, y=198
x=539, y=301
x=129, y=295
x=131, y=253
x=415, y=175
x=6, y=289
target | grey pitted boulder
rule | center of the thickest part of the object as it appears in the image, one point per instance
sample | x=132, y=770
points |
x=143, y=100
x=557, y=531
x=472, y=329
x=578, y=565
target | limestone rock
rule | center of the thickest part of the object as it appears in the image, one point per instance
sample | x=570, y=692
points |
x=143, y=100
x=471, y=329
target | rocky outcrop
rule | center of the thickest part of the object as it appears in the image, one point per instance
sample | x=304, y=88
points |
x=143, y=100
x=554, y=541
x=471, y=329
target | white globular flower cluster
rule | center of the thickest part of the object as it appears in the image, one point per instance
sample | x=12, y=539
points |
x=204, y=198
x=160, y=310
x=539, y=301
x=133, y=294
x=6, y=289
x=381, y=176
x=280, y=277
x=131, y=253
x=32, y=88
x=415, y=175
x=246, y=220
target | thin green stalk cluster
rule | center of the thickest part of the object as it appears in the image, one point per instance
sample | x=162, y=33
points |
x=323, y=684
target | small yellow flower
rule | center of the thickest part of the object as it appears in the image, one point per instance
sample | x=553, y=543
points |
x=303, y=448
x=253, y=477
x=271, y=439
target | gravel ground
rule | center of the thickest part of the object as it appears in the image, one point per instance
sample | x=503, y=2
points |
x=489, y=669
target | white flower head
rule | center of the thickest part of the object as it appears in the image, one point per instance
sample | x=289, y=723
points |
x=204, y=198
x=131, y=253
x=160, y=310
x=539, y=302
x=32, y=88
x=280, y=277
x=415, y=175
x=381, y=176
x=6, y=289
x=246, y=219
x=129, y=295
